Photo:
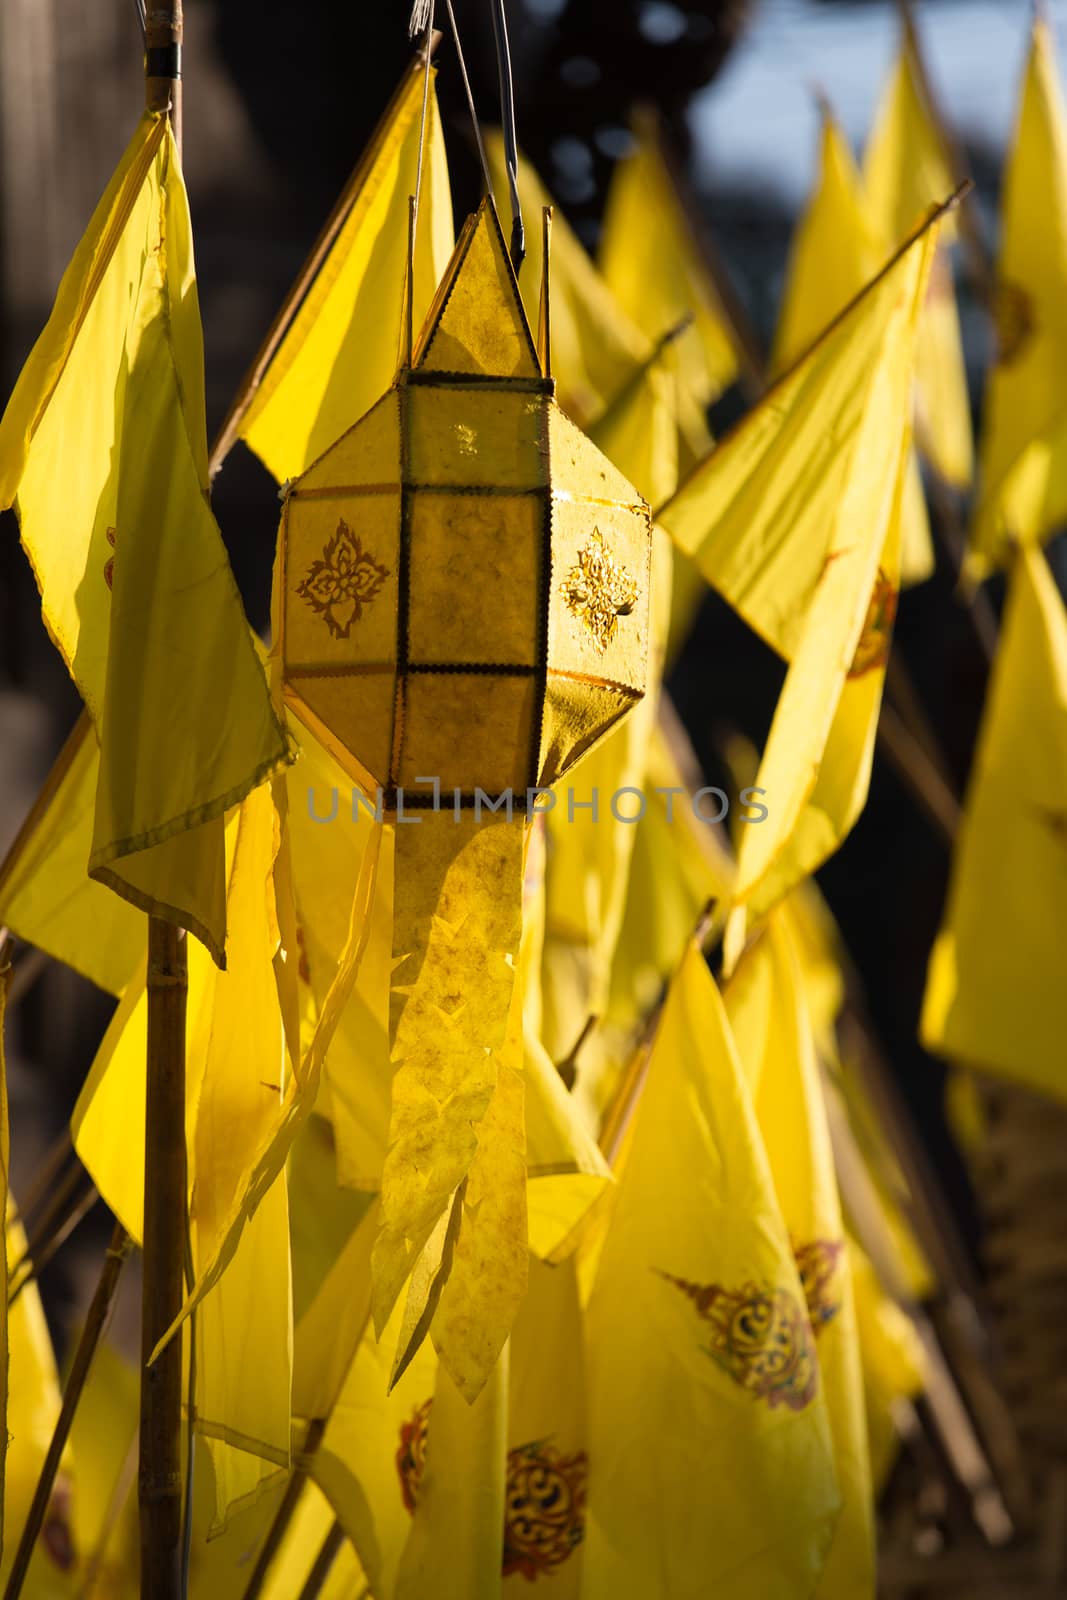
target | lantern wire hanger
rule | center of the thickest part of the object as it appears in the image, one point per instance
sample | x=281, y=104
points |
x=507, y=114
x=422, y=21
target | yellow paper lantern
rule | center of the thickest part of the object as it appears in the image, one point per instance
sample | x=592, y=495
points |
x=465, y=576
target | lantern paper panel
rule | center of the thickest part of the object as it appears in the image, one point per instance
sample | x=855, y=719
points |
x=465, y=576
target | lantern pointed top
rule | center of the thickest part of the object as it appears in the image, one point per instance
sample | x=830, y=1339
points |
x=477, y=324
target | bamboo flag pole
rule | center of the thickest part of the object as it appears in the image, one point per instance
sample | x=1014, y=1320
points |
x=160, y=1462
x=320, y=1571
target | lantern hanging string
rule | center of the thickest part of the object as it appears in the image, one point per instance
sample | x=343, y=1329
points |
x=421, y=19
x=507, y=117
x=470, y=100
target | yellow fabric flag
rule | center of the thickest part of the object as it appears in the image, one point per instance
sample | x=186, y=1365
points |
x=103, y=450
x=595, y=345
x=457, y=928
x=711, y=1463
x=836, y=249
x=5, y=1172
x=330, y=834
x=370, y=1462
x=652, y=263
x=45, y=896
x=992, y=1001
x=767, y=1008
x=33, y=1401
x=893, y=1361
x=816, y=767
x=547, y=1469
x=340, y=353
x=906, y=170
x=235, y=1083
x=591, y=828
x=767, y=514
x=457, y=1526
x=1022, y=479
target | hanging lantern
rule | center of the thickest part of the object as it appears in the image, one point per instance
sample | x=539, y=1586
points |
x=465, y=575
x=463, y=585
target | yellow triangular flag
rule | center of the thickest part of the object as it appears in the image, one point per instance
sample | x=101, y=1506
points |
x=33, y=1402
x=234, y=1086
x=5, y=1167
x=891, y=1352
x=906, y=170
x=652, y=264
x=816, y=767
x=595, y=346
x=769, y=514
x=103, y=443
x=767, y=1007
x=340, y=354
x=46, y=897
x=457, y=1527
x=1022, y=476
x=592, y=827
x=836, y=249
x=995, y=996
x=694, y=1431
x=547, y=1462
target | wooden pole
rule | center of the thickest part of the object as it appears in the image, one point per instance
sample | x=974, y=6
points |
x=159, y=1479
x=102, y=1301
x=284, y=1514
x=160, y=1464
x=331, y=1547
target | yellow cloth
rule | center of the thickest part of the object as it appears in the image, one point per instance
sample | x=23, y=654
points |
x=765, y=512
x=836, y=249
x=767, y=1007
x=46, y=897
x=995, y=996
x=712, y=1466
x=457, y=1528
x=547, y=1463
x=340, y=353
x=595, y=345
x=816, y=767
x=235, y=1083
x=103, y=443
x=374, y=1448
x=816, y=764
x=1023, y=455
x=893, y=1361
x=5, y=1173
x=33, y=1402
x=906, y=170
x=652, y=264
x=588, y=847
x=456, y=933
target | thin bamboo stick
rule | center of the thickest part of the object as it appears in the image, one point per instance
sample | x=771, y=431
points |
x=55, y=1158
x=918, y=773
x=160, y=1468
x=331, y=1547
x=102, y=1301
x=42, y=1255
x=284, y=1514
x=160, y=1461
